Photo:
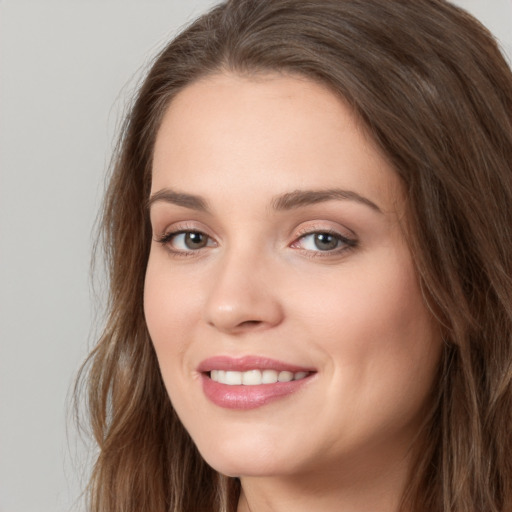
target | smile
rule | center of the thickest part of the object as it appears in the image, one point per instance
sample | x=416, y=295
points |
x=250, y=382
x=255, y=377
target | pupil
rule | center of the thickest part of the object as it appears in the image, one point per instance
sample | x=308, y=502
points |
x=325, y=241
x=195, y=240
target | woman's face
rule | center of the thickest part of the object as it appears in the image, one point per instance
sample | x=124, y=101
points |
x=278, y=254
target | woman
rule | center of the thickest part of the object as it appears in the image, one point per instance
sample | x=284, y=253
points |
x=308, y=228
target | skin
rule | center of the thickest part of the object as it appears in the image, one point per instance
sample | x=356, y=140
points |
x=261, y=286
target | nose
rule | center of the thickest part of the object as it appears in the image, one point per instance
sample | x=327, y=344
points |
x=243, y=296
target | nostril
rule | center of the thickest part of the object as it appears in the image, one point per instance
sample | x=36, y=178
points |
x=250, y=323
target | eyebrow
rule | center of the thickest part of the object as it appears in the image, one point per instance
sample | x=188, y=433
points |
x=299, y=198
x=178, y=198
x=287, y=201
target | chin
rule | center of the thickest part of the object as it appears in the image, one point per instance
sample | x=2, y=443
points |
x=249, y=457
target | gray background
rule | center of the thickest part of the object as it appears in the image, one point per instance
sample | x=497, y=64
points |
x=68, y=68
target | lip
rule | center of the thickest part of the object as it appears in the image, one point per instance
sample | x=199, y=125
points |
x=249, y=397
x=246, y=363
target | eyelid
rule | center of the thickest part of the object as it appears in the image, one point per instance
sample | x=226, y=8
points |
x=179, y=228
x=325, y=227
x=349, y=241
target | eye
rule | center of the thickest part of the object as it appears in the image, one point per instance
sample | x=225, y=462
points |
x=324, y=241
x=186, y=241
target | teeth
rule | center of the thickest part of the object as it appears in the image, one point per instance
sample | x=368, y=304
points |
x=269, y=377
x=233, y=378
x=285, y=376
x=255, y=377
x=251, y=378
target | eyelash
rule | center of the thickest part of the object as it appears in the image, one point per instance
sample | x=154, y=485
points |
x=166, y=239
x=347, y=243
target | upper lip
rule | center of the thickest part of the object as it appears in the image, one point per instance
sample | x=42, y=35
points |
x=246, y=363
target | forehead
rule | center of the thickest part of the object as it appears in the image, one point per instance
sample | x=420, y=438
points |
x=274, y=131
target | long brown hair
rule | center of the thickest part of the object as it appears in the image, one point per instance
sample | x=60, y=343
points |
x=432, y=89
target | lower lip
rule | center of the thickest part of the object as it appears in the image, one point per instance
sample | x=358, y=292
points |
x=248, y=397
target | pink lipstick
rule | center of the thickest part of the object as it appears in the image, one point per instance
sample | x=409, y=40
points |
x=249, y=382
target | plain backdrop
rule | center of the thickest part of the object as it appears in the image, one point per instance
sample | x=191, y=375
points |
x=68, y=69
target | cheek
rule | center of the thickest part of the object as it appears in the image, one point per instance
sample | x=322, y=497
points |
x=381, y=303
x=381, y=343
x=171, y=312
x=169, y=308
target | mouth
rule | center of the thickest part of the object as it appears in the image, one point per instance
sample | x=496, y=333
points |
x=250, y=382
